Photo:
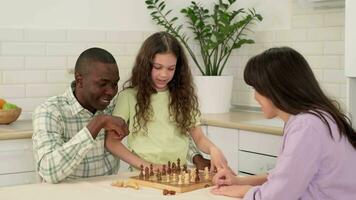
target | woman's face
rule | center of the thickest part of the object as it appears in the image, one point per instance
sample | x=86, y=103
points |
x=163, y=68
x=269, y=109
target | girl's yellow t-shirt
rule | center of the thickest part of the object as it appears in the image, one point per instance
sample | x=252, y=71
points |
x=163, y=141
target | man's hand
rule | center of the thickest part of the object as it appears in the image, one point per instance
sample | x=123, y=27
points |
x=112, y=124
x=200, y=162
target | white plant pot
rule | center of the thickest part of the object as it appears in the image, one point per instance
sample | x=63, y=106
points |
x=214, y=93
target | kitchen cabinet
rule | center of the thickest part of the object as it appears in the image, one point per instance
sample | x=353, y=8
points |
x=227, y=140
x=17, y=162
x=257, y=152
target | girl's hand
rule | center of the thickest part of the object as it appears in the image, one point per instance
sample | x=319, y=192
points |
x=238, y=191
x=225, y=177
x=218, y=160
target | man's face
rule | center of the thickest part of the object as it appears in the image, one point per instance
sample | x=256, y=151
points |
x=98, y=87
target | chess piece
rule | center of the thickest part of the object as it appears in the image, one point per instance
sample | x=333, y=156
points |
x=186, y=178
x=180, y=181
x=206, y=173
x=197, y=178
x=178, y=166
x=168, y=178
x=185, y=168
x=174, y=177
x=140, y=176
x=174, y=168
x=151, y=170
x=169, y=170
x=164, y=172
x=159, y=176
x=147, y=173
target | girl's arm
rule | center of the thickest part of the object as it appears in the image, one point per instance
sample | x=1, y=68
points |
x=114, y=145
x=218, y=160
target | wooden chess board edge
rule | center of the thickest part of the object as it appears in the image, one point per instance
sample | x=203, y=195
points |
x=178, y=188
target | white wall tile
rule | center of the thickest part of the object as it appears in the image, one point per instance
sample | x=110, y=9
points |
x=334, y=76
x=12, y=91
x=309, y=48
x=22, y=49
x=59, y=76
x=46, y=62
x=125, y=36
x=334, y=19
x=27, y=104
x=11, y=35
x=308, y=21
x=11, y=62
x=86, y=35
x=45, y=90
x=45, y=35
x=291, y=35
x=65, y=49
x=334, y=47
x=20, y=77
x=322, y=34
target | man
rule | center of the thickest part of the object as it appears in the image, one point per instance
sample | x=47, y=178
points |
x=69, y=129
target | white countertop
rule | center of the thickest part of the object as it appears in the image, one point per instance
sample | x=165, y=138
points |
x=98, y=188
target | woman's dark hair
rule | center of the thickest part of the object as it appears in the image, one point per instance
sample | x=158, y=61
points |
x=285, y=77
x=183, y=105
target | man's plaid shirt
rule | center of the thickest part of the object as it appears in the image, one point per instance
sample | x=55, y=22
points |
x=63, y=146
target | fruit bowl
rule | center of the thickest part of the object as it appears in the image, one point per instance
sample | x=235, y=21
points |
x=9, y=116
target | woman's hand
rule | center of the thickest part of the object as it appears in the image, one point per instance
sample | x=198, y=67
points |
x=238, y=191
x=218, y=160
x=225, y=177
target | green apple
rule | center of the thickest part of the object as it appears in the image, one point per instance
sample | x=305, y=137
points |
x=8, y=106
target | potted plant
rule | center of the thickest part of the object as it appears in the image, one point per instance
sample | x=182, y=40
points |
x=218, y=33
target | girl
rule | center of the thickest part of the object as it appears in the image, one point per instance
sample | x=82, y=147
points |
x=318, y=157
x=161, y=108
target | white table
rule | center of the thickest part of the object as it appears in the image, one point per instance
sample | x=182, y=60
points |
x=98, y=188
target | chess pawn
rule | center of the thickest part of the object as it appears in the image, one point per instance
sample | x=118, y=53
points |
x=159, y=176
x=174, y=177
x=168, y=178
x=186, y=178
x=180, y=182
x=185, y=168
x=141, y=172
x=206, y=173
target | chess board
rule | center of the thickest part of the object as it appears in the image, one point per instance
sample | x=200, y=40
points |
x=173, y=185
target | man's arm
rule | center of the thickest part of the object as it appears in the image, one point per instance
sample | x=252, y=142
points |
x=57, y=159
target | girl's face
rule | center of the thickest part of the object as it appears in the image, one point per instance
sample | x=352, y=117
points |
x=269, y=109
x=163, y=68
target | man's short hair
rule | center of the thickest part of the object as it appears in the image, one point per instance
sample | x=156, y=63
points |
x=89, y=56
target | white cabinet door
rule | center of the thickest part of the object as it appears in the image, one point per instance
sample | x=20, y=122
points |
x=257, y=152
x=17, y=162
x=260, y=142
x=252, y=163
x=227, y=140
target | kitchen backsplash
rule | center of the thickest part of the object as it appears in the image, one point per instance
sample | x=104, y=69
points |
x=37, y=63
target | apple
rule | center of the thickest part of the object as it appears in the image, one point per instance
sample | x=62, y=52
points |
x=8, y=106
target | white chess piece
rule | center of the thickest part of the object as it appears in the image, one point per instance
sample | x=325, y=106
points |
x=186, y=178
x=180, y=182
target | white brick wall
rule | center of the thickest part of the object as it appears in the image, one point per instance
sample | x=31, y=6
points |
x=35, y=63
x=318, y=35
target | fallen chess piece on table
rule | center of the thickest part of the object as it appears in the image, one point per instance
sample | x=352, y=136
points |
x=168, y=192
x=125, y=184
